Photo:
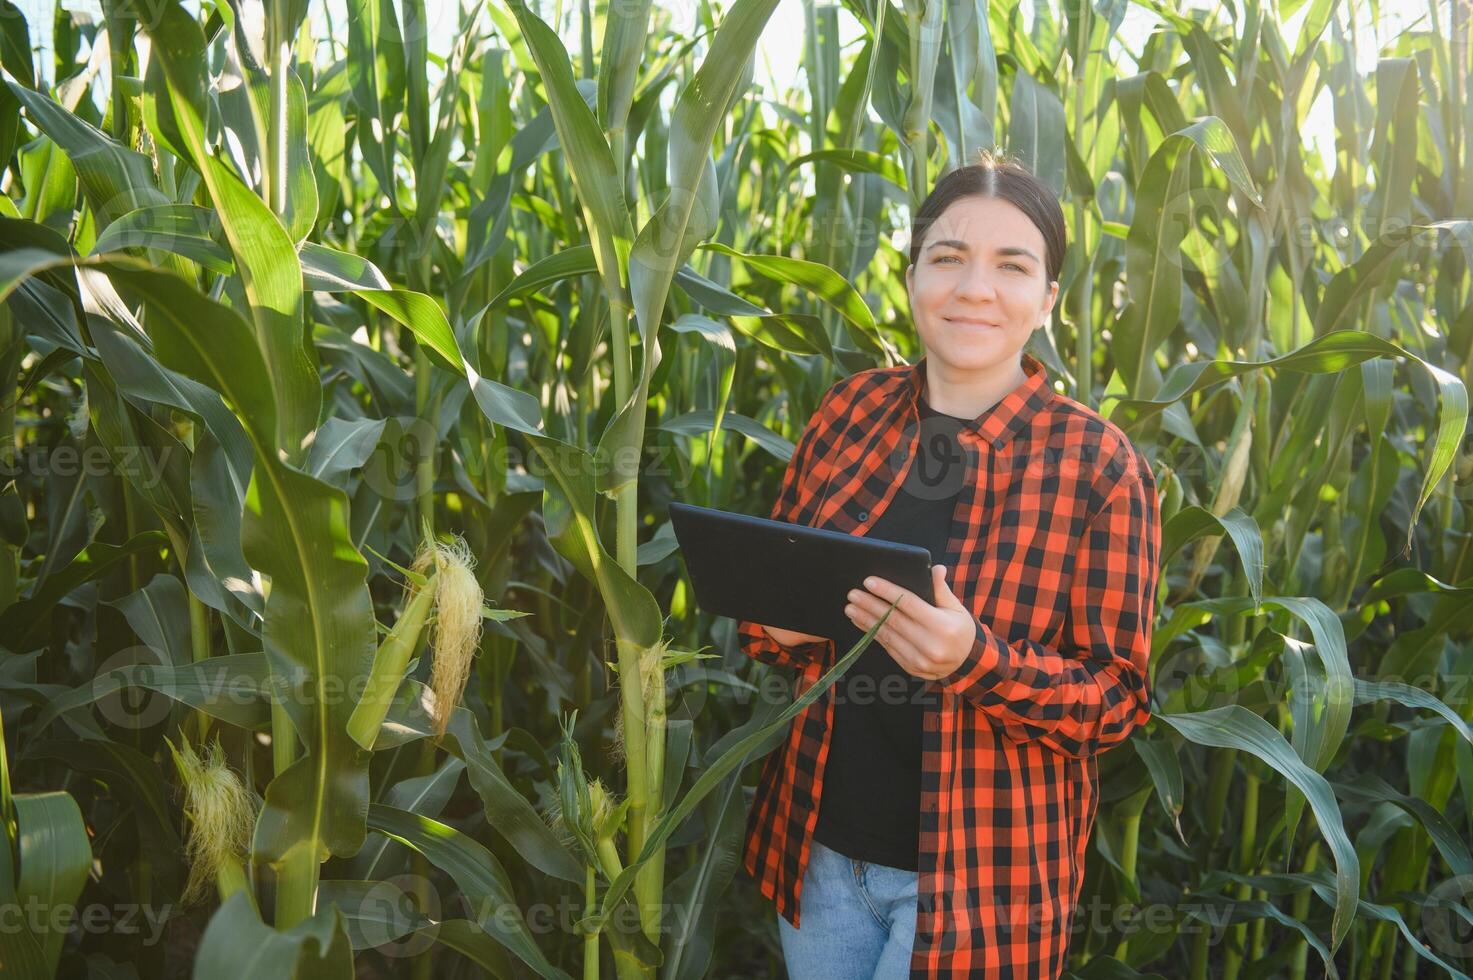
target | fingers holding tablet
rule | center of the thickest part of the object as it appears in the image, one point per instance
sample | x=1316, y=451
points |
x=791, y=638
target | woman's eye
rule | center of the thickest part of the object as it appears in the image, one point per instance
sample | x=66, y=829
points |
x=945, y=257
x=1014, y=265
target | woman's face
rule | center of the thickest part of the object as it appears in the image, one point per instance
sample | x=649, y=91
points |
x=979, y=287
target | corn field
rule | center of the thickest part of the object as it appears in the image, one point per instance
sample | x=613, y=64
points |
x=343, y=631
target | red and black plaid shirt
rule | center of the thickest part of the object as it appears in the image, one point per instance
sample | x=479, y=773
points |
x=1054, y=548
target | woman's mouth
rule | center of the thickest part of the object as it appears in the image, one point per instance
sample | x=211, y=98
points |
x=970, y=322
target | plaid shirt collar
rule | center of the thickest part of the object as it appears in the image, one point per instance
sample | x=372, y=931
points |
x=1007, y=418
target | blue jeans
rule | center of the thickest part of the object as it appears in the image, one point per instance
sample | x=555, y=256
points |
x=858, y=920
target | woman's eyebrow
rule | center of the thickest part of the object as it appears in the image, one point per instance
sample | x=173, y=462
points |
x=961, y=246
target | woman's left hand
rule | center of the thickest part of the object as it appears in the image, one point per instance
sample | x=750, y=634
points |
x=928, y=641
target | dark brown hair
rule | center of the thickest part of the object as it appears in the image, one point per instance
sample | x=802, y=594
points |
x=996, y=175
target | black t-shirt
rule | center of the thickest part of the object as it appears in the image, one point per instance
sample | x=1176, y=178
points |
x=871, y=797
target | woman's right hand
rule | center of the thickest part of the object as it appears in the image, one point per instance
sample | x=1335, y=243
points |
x=791, y=638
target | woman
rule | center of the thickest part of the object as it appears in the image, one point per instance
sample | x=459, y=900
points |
x=933, y=807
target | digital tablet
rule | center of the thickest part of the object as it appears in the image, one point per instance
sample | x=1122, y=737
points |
x=787, y=575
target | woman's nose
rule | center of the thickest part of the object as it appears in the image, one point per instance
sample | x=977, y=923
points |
x=976, y=283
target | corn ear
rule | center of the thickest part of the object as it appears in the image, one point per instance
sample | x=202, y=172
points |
x=390, y=663
x=221, y=817
x=606, y=817
x=457, y=628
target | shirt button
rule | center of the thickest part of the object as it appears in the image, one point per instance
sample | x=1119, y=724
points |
x=864, y=515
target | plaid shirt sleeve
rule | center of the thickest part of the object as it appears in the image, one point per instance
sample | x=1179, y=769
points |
x=1082, y=704
x=752, y=638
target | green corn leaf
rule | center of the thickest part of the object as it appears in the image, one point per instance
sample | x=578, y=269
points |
x=482, y=881
x=237, y=943
x=1235, y=727
x=54, y=855
x=1329, y=354
x=236, y=688
x=264, y=254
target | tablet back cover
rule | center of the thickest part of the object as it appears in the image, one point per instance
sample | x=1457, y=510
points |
x=787, y=575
